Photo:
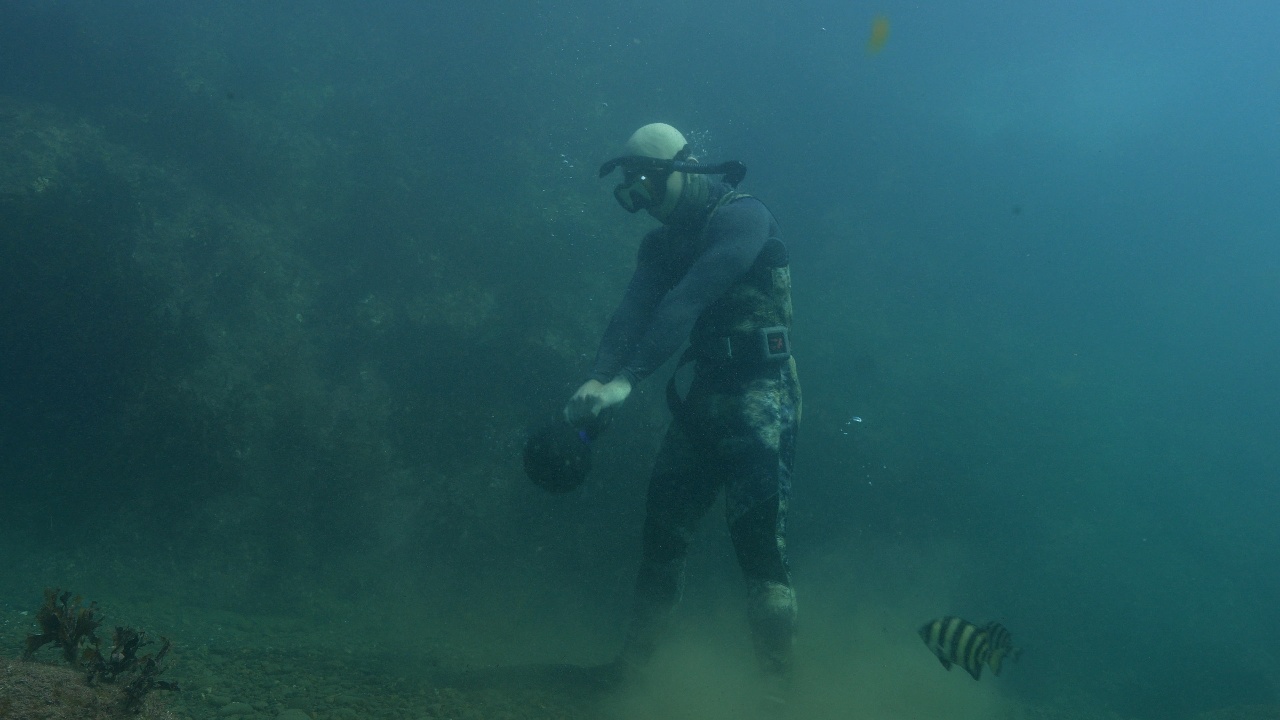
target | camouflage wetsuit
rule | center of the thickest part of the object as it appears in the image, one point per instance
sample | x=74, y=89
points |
x=717, y=280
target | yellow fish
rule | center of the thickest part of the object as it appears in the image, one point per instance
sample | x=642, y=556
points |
x=879, y=34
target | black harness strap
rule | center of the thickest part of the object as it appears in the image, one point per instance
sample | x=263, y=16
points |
x=675, y=403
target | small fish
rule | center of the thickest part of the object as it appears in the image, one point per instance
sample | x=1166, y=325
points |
x=879, y=34
x=844, y=430
x=957, y=641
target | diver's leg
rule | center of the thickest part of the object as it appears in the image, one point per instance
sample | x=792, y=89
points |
x=680, y=493
x=759, y=457
x=759, y=539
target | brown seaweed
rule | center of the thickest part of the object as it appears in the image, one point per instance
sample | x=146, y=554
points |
x=123, y=658
x=67, y=624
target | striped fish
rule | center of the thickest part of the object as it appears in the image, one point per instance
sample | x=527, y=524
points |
x=957, y=641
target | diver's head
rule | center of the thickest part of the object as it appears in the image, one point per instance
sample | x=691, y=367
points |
x=656, y=189
x=659, y=176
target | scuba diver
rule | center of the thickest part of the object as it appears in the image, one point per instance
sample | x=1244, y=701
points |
x=715, y=274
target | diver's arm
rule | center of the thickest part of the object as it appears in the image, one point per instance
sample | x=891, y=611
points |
x=736, y=235
x=646, y=288
x=610, y=384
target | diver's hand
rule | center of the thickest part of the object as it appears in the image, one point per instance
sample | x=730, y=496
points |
x=594, y=397
x=581, y=406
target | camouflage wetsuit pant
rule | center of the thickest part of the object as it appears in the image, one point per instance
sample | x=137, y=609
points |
x=735, y=430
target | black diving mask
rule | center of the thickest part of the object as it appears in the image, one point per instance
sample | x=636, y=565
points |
x=644, y=179
x=640, y=189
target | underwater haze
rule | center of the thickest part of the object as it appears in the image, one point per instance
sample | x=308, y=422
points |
x=284, y=286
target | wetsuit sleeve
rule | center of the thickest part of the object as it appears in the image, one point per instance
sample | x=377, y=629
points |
x=736, y=235
x=626, y=327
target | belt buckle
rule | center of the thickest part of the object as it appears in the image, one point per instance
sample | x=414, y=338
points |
x=775, y=343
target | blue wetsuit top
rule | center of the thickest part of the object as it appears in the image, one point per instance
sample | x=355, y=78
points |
x=679, y=274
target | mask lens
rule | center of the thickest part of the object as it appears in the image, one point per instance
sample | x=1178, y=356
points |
x=633, y=197
x=644, y=182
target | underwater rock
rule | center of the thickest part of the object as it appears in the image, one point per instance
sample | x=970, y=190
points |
x=35, y=691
